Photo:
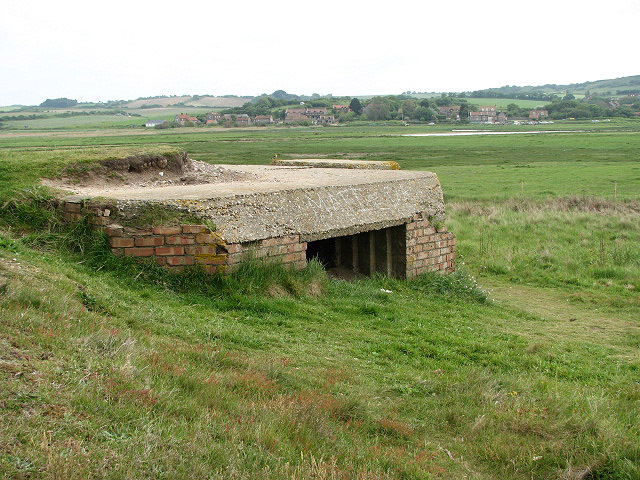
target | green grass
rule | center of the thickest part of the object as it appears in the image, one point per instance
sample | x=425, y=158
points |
x=103, y=119
x=111, y=369
x=155, y=379
x=585, y=246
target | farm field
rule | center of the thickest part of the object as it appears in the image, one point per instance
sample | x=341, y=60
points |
x=118, y=370
x=74, y=122
x=168, y=113
x=503, y=102
x=498, y=102
x=104, y=120
x=200, y=101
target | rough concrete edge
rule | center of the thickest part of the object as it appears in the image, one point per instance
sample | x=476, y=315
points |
x=336, y=163
x=341, y=232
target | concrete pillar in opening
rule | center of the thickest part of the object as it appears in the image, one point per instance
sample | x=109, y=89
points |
x=354, y=253
x=372, y=252
x=388, y=250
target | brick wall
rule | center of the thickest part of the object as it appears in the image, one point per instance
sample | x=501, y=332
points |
x=176, y=246
x=288, y=249
x=429, y=249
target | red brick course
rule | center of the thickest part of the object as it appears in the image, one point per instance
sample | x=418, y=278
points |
x=121, y=242
x=180, y=260
x=169, y=250
x=194, y=229
x=149, y=241
x=139, y=252
x=181, y=240
x=428, y=248
x=167, y=230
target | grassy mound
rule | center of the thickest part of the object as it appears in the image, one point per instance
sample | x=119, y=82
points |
x=116, y=369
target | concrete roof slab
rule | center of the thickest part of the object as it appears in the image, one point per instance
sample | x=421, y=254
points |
x=312, y=202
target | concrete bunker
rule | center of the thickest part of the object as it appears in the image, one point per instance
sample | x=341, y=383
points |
x=355, y=218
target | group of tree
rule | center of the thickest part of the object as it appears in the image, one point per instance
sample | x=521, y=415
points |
x=59, y=103
x=593, y=108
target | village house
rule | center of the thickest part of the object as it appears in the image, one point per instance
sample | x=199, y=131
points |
x=315, y=115
x=451, y=112
x=155, y=123
x=240, y=119
x=213, y=118
x=538, y=114
x=184, y=119
x=478, y=117
x=316, y=112
x=264, y=119
x=325, y=119
x=296, y=115
x=487, y=114
x=341, y=108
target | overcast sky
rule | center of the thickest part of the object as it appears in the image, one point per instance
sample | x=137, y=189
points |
x=116, y=49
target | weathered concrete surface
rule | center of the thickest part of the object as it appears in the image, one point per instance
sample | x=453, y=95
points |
x=336, y=163
x=315, y=203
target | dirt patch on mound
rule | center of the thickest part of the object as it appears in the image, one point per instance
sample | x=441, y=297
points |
x=143, y=171
x=139, y=163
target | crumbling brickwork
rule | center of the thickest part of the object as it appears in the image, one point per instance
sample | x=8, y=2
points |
x=429, y=249
x=288, y=250
x=176, y=246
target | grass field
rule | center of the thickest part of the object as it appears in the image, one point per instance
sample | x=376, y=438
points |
x=114, y=370
x=498, y=102
x=75, y=122
x=204, y=101
x=503, y=102
x=104, y=119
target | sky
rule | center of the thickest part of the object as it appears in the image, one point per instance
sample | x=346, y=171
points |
x=118, y=50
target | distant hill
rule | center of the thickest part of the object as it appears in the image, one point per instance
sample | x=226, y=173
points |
x=613, y=86
x=189, y=101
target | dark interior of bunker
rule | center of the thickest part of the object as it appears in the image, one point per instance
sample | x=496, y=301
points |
x=366, y=253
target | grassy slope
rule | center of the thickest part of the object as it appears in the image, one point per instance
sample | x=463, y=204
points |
x=122, y=378
x=503, y=102
x=598, y=86
x=116, y=373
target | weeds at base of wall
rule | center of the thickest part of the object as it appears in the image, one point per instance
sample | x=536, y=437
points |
x=30, y=209
x=459, y=283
